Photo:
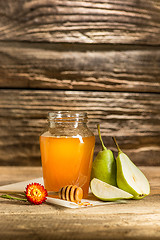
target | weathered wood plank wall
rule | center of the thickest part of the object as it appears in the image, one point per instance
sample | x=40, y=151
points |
x=99, y=56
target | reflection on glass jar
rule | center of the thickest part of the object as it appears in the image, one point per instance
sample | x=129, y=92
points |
x=67, y=148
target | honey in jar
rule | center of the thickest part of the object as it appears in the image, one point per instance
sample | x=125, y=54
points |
x=67, y=148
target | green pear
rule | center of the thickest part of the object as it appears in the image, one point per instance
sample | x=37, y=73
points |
x=104, y=165
x=129, y=176
x=107, y=192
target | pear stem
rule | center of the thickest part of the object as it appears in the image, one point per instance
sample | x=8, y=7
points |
x=114, y=139
x=99, y=133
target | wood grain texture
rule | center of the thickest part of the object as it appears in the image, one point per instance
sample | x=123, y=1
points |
x=138, y=219
x=51, y=66
x=19, y=174
x=96, y=46
x=133, y=118
x=91, y=21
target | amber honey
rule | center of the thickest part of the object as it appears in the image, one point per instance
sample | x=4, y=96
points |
x=66, y=160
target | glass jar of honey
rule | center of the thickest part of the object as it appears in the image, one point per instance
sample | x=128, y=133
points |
x=67, y=147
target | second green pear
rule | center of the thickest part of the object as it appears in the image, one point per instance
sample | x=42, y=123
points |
x=129, y=176
x=104, y=165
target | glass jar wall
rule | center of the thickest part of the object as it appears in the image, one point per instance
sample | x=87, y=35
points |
x=67, y=147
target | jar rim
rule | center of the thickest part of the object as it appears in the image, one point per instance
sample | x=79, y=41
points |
x=67, y=115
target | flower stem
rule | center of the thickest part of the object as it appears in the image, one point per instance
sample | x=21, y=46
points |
x=13, y=198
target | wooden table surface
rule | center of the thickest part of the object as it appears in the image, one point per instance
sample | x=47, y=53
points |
x=138, y=219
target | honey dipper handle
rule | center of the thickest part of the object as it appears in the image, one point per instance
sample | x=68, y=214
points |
x=52, y=193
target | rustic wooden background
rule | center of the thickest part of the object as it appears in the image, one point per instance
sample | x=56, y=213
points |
x=101, y=56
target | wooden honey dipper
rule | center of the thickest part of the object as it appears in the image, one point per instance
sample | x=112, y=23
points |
x=71, y=193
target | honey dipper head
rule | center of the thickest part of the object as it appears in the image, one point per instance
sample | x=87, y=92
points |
x=71, y=193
